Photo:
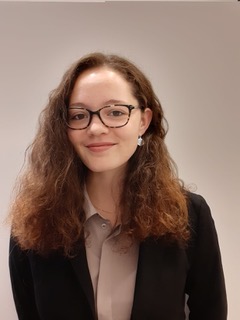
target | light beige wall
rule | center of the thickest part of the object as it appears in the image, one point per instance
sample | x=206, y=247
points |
x=190, y=51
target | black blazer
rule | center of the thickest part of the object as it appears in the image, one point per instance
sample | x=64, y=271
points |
x=58, y=288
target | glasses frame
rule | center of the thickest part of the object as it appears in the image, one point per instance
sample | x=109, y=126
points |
x=97, y=112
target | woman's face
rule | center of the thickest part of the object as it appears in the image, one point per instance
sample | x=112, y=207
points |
x=100, y=148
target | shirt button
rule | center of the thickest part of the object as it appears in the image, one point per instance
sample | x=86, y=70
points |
x=104, y=226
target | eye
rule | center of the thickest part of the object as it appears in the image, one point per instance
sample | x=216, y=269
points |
x=78, y=115
x=116, y=113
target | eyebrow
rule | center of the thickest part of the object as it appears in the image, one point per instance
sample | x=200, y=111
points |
x=83, y=105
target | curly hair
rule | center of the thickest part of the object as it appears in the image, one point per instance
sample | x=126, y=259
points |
x=47, y=213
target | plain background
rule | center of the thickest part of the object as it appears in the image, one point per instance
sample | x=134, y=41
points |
x=190, y=52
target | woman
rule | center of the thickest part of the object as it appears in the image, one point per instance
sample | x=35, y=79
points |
x=102, y=228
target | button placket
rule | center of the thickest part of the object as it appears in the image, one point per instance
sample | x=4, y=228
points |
x=104, y=297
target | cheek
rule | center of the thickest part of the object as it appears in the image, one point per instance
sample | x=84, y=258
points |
x=129, y=138
x=73, y=137
x=70, y=136
x=133, y=132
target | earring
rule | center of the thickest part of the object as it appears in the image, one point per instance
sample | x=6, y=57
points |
x=140, y=141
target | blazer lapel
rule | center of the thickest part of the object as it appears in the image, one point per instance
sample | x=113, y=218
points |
x=80, y=266
x=142, y=287
x=160, y=281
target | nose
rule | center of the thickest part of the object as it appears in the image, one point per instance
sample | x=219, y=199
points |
x=96, y=126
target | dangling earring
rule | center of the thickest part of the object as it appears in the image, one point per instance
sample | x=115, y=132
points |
x=140, y=141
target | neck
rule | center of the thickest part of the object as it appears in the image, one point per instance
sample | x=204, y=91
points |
x=104, y=191
x=105, y=181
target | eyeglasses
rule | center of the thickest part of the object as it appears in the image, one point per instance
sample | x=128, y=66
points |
x=112, y=116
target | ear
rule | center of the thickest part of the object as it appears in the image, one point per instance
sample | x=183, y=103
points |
x=145, y=121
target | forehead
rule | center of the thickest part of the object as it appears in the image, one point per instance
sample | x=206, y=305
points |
x=99, y=75
x=101, y=83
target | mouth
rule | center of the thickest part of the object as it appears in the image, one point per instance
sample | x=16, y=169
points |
x=100, y=146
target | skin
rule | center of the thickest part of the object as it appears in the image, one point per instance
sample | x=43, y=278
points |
x=106, y=151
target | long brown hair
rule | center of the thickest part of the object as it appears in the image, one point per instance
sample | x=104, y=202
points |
x=47, y=213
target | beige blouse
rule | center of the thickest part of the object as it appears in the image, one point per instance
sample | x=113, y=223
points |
x=112, y=264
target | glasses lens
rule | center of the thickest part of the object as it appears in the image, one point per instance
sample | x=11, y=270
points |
x=78, y=118
x=115, y=115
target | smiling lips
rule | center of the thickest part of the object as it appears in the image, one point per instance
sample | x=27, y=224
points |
x=100, y=146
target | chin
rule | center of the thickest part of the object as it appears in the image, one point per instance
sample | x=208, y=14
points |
x=107, y=169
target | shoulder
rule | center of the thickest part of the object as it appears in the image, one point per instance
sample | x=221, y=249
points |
x=199, y=212
x=203, y=234
x=196, y=201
